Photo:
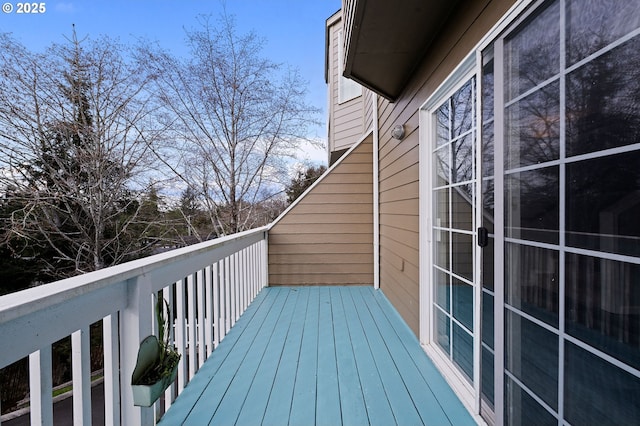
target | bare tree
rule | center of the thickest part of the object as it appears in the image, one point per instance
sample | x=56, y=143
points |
x=237, y=116
x=76, y=127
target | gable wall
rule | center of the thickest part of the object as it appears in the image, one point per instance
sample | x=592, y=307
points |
x=327, y=238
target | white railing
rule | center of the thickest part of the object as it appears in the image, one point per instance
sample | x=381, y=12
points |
x=208, y=284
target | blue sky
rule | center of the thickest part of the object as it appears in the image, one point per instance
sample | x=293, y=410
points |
x=293, y=30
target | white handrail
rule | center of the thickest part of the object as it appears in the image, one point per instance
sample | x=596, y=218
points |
x=228, y=272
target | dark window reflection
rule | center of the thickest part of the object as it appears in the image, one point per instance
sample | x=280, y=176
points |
x=487, y=149
x=532, y=356
x=443, y=125
x=442, y=167
x=463, y=303
x=462, y=207
x=531, y=281
x=488, y=265
x=603, y=204
x=487, y=376
x=533, y=123
x=442, y=289
x=533, y=53
x=462, y=255
x=443, y=331
x=462, y=159
x=463, y=350
x=598, y=393
x=487, y=89
x=603, y=101
x=487, y=319
x=593, y=24
x=462, y=109
x=532, y=208
x=441, y=251
x=488, y=204
x=603, y=305
x=521, y=409
x=441, y=202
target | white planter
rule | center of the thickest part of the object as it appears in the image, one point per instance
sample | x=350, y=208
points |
x=148, y=356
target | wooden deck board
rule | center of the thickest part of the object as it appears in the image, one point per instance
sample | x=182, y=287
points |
x=318, y=356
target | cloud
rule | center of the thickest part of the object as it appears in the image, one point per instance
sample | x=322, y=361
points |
x=65, y=7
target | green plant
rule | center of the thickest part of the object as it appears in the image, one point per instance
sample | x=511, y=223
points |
x=168, y=356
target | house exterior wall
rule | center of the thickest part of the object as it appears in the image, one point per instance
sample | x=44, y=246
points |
x=346, y=119
x=326, y=238
x=399, y=165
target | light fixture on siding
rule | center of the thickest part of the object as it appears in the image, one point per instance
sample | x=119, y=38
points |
x=398, y=132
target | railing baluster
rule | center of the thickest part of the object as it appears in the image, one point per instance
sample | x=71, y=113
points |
x=264, y=256
x=81, y=368
x=191, y=325
x=111, y=370
x=209, y=318
x=255, y=263
x=40, y=386
x=201, y=325
x=181, y=335
x=167, y=294
x=227, y=296
x=217, y=317
x=247, y=267
x=234, y=285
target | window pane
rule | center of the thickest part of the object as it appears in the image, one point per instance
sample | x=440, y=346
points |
x=531, y=281
x=603, y=101
x=487, y=90
x=487, y=319
x=532, y=55
x=603, y=204
x=463, y=303
x=462, y=207
x=443, y=125
x=462, y=251
x=487, y=376
x=347, y=88
x=463, y=350
x=442, y=167
x=487, y=149
x=443, y=332
x=462, y=109
x=487, y=265
x=596, y=392
x=521, y=409
x=532, y=356
x=533, y=128
x=441, y=202
x=593, y=24
x=442, y=289
x=532, y=205
x=441, y=248
x=487, y=204
x=603, y=305
x=462, y=159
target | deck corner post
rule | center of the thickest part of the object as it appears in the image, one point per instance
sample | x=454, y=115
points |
x=265, y=254
x=135, y=325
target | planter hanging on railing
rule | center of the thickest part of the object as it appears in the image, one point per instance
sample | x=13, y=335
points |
x=152, y=376
x=157, y=363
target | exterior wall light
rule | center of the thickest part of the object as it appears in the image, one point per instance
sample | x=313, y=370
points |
x=398, y=132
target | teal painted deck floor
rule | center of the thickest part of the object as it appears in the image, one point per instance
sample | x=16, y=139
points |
x=318, y=356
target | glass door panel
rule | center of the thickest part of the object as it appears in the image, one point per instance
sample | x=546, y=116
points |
x=453, y=195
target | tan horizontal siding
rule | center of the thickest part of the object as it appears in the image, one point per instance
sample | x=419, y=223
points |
x=327, y=237
x=321, y=278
